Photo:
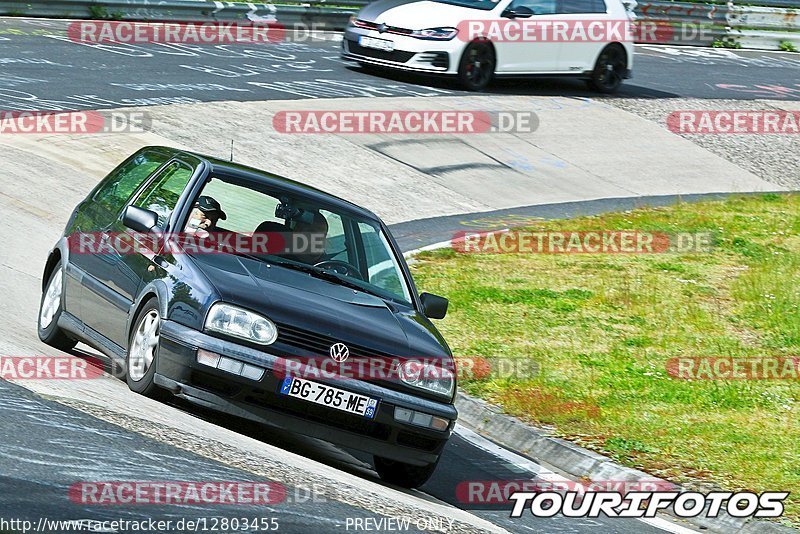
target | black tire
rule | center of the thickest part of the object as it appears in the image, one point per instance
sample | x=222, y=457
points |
x=403, y=475
x=477, y=66
x=51, y=333
x=609, y=70
x=142, y=380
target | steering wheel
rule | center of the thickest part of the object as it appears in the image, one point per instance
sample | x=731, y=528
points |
x=341, y=267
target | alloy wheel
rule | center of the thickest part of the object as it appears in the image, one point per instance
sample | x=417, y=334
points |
x=145, y=343
x=52, y=300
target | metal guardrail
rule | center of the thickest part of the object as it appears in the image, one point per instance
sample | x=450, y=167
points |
x=773, y=3
x=764, y=18
x=704, y=24
x=287, y=12
x=692, y=23
x=763, y=27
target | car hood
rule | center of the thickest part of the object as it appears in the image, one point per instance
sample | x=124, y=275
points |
x=296, y=299
x=418, y=15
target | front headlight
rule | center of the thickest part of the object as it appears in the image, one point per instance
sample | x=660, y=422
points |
x=436, y=34
x=242, y=324
x=427, y=376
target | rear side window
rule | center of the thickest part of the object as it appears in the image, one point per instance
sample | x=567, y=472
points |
x=163, y=193
x=581, y=6
x=117, y=188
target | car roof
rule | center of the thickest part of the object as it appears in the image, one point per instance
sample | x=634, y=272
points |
x=252, y=174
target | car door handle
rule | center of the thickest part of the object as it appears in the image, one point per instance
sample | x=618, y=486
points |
x=108, y=251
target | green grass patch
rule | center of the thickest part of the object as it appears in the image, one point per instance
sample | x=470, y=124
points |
x=602, y=328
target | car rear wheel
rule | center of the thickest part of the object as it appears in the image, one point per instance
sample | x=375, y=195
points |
x=609, y=70
x=476, y=70
x=143, y=351
x=50, y=308
x=401, y=474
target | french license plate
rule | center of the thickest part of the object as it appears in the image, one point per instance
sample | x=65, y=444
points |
x=377, y=44
x=329, y=396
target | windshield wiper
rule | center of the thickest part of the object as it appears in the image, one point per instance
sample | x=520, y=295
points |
x=325, y=275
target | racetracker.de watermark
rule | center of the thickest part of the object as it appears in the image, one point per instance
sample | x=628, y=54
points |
x=535, y=30
x=498, y=492
x=387, y=369
x=584, y=242
x=73, y=122
x=177, y=493
x=404, y=122
x=210, y=33
x=734, y=122
x=732, y=368
x=199, y=242
x=50, y=368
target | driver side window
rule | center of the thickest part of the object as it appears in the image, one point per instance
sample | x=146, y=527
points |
x=538, y=7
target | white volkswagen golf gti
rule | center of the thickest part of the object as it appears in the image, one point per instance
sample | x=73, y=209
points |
x=479, y=40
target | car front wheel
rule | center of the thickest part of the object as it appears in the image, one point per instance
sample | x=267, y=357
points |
x=609, y=70
x=50, y=309
x=476, y=70
x=401, y=474
x=143, y=351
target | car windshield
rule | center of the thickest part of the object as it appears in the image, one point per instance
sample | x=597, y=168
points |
x=296, y=232
x=485, y=5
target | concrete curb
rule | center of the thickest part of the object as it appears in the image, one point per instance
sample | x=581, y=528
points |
x=492, y=422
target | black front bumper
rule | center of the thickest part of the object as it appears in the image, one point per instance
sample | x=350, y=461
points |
x=177, y=370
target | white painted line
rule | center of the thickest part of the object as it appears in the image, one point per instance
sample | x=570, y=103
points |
x=720, y=51
x=435, y=246
x=667, y=526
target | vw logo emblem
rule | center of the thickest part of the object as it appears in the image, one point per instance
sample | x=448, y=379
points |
x=382, y=28
x=339, y=352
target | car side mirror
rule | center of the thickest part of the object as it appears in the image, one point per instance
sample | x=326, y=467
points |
x=139, y=219
x=519, y=12
x=434, y=306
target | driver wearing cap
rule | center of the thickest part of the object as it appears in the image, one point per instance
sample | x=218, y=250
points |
x=206, y=214
x=316, y=231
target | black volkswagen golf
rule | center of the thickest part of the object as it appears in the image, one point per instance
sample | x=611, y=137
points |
x=331, y=341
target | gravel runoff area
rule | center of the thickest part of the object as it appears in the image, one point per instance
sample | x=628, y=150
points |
x=774, y=157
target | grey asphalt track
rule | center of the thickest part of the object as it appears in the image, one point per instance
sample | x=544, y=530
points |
x=48, y=447
x=40, y=68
